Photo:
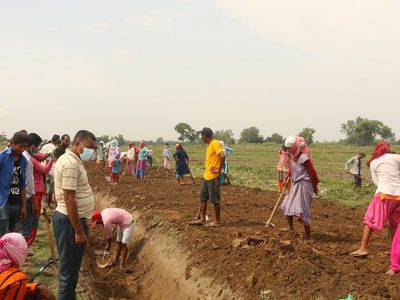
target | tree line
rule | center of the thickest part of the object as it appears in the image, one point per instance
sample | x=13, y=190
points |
x=360, y=132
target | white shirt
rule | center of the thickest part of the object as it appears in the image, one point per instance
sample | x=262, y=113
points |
x=385, y=172
x=70, y=174
x=30, y=181
x=48, y=148
x=353, y=165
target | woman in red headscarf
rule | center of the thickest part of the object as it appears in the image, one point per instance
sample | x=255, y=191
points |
x=385, y=205
x=304, y=180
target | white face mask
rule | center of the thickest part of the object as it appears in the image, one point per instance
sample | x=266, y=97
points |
x=86, y=154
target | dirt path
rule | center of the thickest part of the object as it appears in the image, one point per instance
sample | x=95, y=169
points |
x=240, y=259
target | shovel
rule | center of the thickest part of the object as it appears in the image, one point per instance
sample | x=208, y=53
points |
x=269, y=222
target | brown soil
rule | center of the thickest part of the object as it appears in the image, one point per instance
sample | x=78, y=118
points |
x=171, y=260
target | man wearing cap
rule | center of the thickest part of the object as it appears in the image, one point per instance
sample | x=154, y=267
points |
x=116, y=216
x=210, y=190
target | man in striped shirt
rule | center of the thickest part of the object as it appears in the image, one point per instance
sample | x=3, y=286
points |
x=75, y=204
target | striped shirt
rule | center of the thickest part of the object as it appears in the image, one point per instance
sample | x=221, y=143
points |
x=70, y=174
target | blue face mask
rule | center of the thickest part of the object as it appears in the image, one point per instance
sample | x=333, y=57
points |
x=86, y=154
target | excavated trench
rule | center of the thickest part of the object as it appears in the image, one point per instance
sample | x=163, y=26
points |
x=157, y=267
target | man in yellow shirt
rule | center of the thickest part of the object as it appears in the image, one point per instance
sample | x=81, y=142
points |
x=215, y=159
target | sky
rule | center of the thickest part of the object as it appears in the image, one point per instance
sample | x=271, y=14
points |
x=140, y=67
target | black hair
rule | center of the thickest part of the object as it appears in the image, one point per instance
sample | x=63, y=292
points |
x=20, y=137
x=64, y=136
x=24, y=131
x=34, y=139
x=84, y=135
x=58, y=152
x=55, y=138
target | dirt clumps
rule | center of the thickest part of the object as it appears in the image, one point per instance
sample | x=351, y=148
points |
x=243, y=258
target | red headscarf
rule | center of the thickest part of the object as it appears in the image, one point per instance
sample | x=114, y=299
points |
x=380, y=149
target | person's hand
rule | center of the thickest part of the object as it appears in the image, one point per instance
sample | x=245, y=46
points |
x=23, y=213
x=316, y=191
x=81, y=239
x=286, y=180
x=44, y=293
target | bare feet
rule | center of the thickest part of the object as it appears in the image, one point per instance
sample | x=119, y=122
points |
x=359, y=253
x=390, y=272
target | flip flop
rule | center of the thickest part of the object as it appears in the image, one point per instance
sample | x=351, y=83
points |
x=197, y=223
x=359, y=255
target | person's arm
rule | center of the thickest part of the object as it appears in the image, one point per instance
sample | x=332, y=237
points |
x=40, y=291
x=313, y=174
x=347, y=165
x=37, y=166
x=73, y=216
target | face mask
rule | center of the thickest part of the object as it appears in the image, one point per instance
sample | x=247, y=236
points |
x=86, y=154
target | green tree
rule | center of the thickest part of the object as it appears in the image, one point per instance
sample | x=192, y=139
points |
x=308, y=134
x=186, y=132
x=251, y=135
x=120, y=139
x=226, y=136
x=363, y=131
x=275, y=138
x=104, y=138
x=160, y=141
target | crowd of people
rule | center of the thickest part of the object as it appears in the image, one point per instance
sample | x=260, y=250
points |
x=32, y=171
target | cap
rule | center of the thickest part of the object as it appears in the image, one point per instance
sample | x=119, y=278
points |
x=95, y=216
x=207, y=132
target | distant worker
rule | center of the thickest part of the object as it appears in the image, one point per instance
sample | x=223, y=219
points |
x=166, y=155
x=283, y=168
x=224, y=174
x=354, y=167
x=182, y=163
x=115, y=161
x=130, y=159
x=141, y=166
x=124, y=220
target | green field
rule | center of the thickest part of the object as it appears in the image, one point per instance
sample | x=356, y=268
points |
x=254, y=166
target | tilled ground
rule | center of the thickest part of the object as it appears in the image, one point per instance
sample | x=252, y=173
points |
x=245, y=254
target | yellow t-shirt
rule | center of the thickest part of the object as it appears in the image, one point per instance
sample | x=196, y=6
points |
x=212, y=159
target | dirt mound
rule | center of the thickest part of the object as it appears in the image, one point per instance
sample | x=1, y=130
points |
x=243, y=256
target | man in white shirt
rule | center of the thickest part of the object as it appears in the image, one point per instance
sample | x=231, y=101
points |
x=354, y=167
x=47, y=149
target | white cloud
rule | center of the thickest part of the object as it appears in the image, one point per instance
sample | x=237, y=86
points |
x=3, y=111
x=365, y=28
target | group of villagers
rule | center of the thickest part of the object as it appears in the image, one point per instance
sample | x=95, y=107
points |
x=109, y=155
x=136, y=158
x=297, y=175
